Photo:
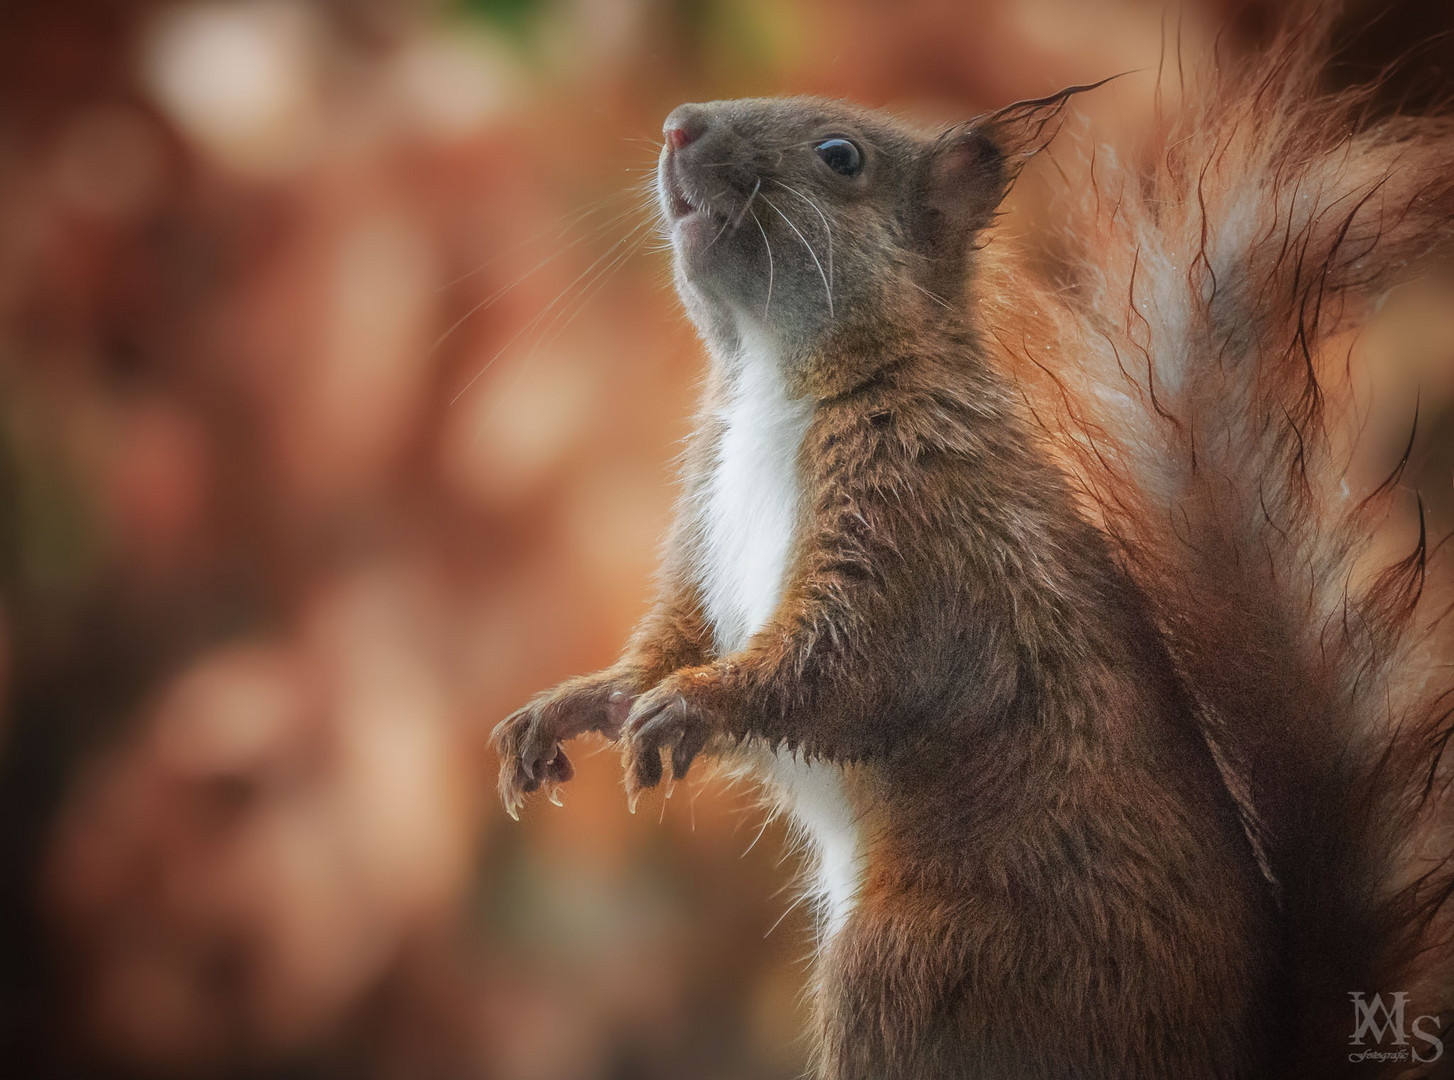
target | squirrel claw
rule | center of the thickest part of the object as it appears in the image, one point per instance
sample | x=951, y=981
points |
x=666, y=722
x=528, y=742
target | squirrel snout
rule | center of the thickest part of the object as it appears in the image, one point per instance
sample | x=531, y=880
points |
x=684, y=126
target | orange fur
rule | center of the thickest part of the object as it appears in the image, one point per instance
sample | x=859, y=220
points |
x=1192, y=360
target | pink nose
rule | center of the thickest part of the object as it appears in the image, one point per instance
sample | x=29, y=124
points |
x=684, y=126
x=679, y=137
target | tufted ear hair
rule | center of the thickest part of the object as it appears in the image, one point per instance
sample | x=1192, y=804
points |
x=966, y=176
x=970, y=168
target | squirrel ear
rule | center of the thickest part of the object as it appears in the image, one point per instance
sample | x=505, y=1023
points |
x=970, y=168
x=967, y=178
x=965, y=175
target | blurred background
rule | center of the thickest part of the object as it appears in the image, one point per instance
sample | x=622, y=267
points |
x=340, y=382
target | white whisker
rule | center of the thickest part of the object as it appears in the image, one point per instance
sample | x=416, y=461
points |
x=768, y=306
x=555, y=231
x=613, y=254
x=500, y=293
x=826, y=228
x=736, y=222
x=827, y=289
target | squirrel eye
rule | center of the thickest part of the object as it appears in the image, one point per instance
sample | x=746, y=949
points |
x=842, y=156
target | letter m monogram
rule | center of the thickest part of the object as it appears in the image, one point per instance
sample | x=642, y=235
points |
x=1366, y=1018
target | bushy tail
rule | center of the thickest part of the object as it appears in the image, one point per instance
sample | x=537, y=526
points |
x=1199, y=352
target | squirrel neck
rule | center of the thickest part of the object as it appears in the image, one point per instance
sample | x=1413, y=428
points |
x=854, y=354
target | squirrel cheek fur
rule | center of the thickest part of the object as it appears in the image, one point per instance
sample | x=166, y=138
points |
x=884, y=594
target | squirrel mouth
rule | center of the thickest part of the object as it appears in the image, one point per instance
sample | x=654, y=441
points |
x=679, y=204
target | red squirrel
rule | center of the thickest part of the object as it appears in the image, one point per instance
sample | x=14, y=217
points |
x=1034, y=592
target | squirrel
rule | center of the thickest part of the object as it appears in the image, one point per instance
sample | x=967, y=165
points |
x=1035, y=592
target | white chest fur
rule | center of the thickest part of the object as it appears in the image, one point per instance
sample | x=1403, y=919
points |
x=749, y=514
x=751, y=503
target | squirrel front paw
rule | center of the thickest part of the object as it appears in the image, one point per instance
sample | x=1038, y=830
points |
x=528, y=741
x=673, y=716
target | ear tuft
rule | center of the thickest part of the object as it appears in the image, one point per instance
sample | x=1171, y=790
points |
x=972, y=167
x=1024, y=128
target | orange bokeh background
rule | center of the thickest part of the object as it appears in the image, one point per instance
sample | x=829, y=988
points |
x=338, y=408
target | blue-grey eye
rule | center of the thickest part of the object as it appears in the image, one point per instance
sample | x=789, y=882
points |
x=842, y=156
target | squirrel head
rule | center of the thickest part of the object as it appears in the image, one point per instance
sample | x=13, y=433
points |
x=809, y=222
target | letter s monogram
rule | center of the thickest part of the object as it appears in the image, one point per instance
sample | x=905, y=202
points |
x=1433, y=1040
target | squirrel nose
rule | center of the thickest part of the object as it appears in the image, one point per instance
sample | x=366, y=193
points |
x=684, y=126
